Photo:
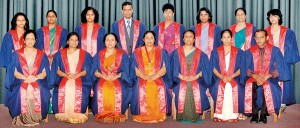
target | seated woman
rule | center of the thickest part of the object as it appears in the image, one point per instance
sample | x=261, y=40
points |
x=72, y=83
x=26, y=79
x=151, y=98
x=190, y=74
x=111, y=74
x=227, y=61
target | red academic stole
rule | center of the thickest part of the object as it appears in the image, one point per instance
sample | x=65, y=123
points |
x=17, y=42
x=159, y=82
x=211, y=34
x=47, y=40
x=183, y=84
x=78, y=82
x=94, y=37
x=282, y=36
x=118, y=88
x=249, y=31
x=135, y=35
x=261, y=71
x=232, y=62
x=35, y=85
x=175, y=40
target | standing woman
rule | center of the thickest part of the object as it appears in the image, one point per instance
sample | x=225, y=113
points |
x=169, y=33
x=27, y=80
x=285, y=39
x=227, y=65
x=13, y=40
x=151, y=98
x=242, y=32
x=190, y=74
x=90, y=32
x=72, y=83
x=111, y=91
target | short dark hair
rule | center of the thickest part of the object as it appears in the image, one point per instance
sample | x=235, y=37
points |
x=69, y=36
x=262, y=30
x=275, y=12
x=110, y=34
x=168, y=6
x=242, y=9
x=226, y=30
x=14, y=21
x=28, y=32
x=207, y=11
x=51, y=11
x=126, y=3
x=84, y=12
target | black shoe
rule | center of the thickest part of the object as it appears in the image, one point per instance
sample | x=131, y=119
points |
x=263, y=119
x=254, y=119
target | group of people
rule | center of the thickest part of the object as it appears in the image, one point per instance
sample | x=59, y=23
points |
x=242, y=69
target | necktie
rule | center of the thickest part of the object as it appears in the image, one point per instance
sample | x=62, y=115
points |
x=128, y=28
x=261, y=56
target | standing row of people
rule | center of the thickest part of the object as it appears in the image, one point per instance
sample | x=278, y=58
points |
x=145, y=70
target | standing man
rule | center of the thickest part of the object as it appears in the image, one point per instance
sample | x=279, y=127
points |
x=128, y=30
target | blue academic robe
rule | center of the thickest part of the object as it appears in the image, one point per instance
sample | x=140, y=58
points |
x=291, y=56
x=156, y=31
x=7, y=48
x=115, y=29
x=40, y=39
x=100, y=38
x=217, y=35
x=13, y=84
x=239, y=64
x=56, y=79
x=204, y=81
x=280, y=66
x=124, y=81
x=134, y=103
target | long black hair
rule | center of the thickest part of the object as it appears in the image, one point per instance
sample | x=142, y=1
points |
x=207, y=11
x=84, y=12
x=14, y=21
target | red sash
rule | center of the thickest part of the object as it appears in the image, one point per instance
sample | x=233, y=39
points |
x=282, y=36
x=220, y=98
x=47, y=40
x=118, y=88
x=35, y=85
x=78, y=86
x=249, y=31
x=159, y=82
x=211, y=34
x=261, y=71
x=94, y=38
x=17, y=42
x=135, y=35
x=175, y=40
x=183, y=84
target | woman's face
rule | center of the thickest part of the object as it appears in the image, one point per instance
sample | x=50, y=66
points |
x=20, y=22
x=274, y=19
x=30, y=40
x=168, y=14
x=204, y=17
x=226, y=38
x=51, y=18
x=149, y=39
x=188, y=38
x=110, y=41
x=90, y=16
x=240, y=16
x=73, y=41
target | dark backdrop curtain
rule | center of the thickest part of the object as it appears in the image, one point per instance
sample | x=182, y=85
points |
x=150, y=13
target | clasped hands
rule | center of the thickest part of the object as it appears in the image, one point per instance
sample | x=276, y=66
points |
x=261, y=79
x=189, y=78
x=30, y=79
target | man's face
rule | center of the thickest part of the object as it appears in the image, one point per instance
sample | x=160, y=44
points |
x=127, y=11
x=261, y=39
